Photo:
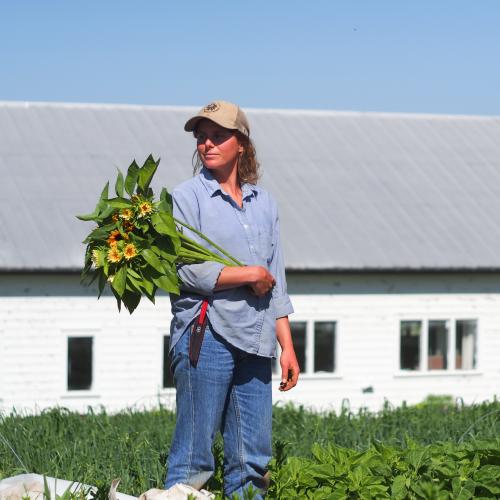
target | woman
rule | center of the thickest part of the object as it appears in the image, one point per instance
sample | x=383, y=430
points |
x=228, y=386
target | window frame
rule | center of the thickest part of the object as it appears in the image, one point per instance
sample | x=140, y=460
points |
x=93, y=392
x=167, y=393
x=424, y=346
x=163, y=389
x=309, y=372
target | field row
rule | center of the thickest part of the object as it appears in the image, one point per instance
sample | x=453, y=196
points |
x=384, y=448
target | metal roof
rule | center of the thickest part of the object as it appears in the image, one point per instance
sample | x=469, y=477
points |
x=357, y=191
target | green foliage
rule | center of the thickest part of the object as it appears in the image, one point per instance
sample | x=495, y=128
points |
x=441, y=470
x=426, y=424
x=399, y=453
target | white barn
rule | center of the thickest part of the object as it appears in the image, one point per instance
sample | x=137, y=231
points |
x=391, y=233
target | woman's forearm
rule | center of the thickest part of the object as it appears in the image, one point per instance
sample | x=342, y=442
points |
x=283, y=333
x=257, y=277
x=288, y=360
x=232, y=277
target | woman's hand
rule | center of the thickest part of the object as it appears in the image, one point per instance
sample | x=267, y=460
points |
x=289, y=369
x=261, y=280
x=288, y=360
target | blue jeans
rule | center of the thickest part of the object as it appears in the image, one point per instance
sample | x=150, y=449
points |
x=229, y=390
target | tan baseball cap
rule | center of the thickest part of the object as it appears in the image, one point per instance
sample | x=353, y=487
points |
x=226, y=114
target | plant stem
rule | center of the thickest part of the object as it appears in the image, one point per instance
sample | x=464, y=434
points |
x=201, y=235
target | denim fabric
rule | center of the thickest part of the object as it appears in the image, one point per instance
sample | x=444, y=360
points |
x=229, y=390
x=251, y=234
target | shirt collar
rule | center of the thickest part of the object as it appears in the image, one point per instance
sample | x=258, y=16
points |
x=213, y=186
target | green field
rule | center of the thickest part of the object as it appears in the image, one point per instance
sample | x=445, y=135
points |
x=438, y=449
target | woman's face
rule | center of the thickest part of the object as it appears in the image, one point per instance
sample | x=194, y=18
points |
x=217, y=146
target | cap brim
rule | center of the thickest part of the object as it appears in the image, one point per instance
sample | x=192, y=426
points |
x=191, y=123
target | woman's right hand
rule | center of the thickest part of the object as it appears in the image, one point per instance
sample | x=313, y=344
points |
x=261, y=281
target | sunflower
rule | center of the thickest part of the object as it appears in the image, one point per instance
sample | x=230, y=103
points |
x=130, y=251
x=128, y=226
x=97, y=257
x=126, y=213
x=115, y=217
x=114, y=255
x=145, y=208
x=114, y=237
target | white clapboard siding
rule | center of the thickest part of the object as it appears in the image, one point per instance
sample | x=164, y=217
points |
x=38, y=314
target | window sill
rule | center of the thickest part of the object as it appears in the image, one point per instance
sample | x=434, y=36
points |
x=166, y=391
x=314, y=376
x=437, y=373
x=80, y=395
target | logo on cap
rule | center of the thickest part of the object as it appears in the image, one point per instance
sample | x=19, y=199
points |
x=211, y=108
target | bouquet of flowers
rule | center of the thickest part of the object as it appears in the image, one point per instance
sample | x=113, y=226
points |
x=138, y=242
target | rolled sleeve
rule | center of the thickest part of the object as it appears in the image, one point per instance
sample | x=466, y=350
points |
x=282, y=306
x=200, y=278
x=197, y=278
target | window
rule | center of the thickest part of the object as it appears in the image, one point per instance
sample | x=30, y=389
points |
x=79, y=363
x=438, y=344
x=299, y=330
x=314, y=343
x=410, y=345
x=168, y=379
x=465, y=344
x=324, y=346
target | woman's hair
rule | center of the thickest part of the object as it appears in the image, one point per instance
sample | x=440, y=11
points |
x=248, y=166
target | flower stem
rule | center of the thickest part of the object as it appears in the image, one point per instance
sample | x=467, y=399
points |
x=201, y=235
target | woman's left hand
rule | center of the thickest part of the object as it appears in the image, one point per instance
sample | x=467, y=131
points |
x=289, y=369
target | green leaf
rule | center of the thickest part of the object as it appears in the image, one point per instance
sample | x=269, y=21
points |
x=152, y=259
x=99, y=207
x=398, y=488
x=119, y=202
x=46, y=489
x=132, y=272
x=488, y=477
x=164, y=224
x=142, y=285
x=102, y=284
x=165, y=249
x=146, y=173
x=119, y=281
x=131, y=179
x=148, y=287
x=166, y=283
x=107, y=211
x=99, y=233
x=118, y=299
x=166, y=203
x=131, y=300
x=119, y=185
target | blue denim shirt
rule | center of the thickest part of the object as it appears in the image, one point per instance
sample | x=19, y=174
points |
x=251, y=235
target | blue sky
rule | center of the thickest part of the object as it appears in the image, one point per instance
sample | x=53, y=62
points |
x=422, y=56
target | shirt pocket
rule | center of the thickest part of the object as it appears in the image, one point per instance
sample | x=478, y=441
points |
x=265, y=242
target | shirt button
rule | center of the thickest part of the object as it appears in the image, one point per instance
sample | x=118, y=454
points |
x=245, y=226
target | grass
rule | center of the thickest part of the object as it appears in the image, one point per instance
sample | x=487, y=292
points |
x=97, y=447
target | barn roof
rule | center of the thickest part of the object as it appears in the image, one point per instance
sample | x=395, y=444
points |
x=357, y=191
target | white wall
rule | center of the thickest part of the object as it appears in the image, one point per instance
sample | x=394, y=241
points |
x=127, y=351
x=39, y=312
